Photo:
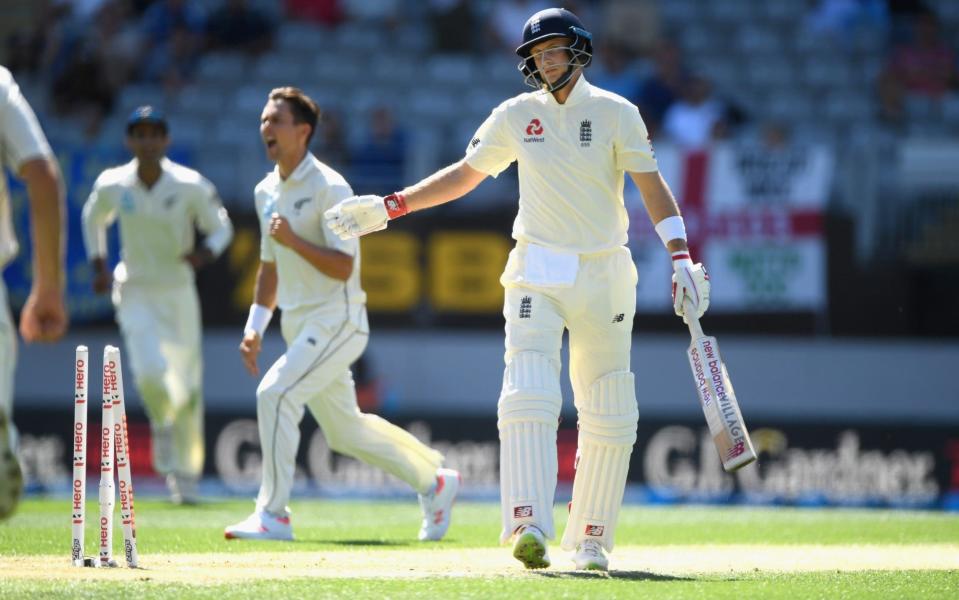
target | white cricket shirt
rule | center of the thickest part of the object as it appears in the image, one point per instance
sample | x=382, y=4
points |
x=302, y=198
x=571, y=159
x=156, y=224
x=21, y=140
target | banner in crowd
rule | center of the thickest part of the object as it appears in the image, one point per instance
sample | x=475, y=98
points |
x=755, y=219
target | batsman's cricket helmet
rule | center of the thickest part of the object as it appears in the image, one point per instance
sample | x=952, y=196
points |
x=548, y=24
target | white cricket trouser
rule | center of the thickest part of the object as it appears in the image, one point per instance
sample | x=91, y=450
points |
x=161, y=332
x=8, y=364
x=598, y=310
x=315, y=372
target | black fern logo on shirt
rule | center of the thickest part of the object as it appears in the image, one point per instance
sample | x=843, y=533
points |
x=585, y=133
x=525, y=307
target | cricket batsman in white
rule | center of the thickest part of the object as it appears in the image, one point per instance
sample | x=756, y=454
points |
x=314, y=277
x=158, y=204
x=570, y=270
x=25, y=151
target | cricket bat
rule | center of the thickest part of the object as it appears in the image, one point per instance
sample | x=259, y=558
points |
x=717, y=398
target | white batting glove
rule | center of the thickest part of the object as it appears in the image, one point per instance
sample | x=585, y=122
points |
x=689, y=281
x=356, y=216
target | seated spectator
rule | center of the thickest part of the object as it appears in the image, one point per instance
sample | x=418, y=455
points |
x=506, y=21
x=840, y=18
x=236, y=26
x=925, y=66
x=615, y=69
x=659, y=90
x=453, y=23
x=378, y=162
x=82, y=89
x=329, y=143
x=697, y=117
x=323, y=12
x=173, y=67
x=633, y=25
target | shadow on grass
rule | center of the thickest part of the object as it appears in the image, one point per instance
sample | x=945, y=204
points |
x=378, y=543
x=628, y=575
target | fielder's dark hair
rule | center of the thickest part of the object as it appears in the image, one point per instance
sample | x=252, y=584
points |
x=304, y=109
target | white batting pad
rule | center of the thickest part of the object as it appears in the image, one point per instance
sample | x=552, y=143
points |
x=528, y=411
x=607, y=433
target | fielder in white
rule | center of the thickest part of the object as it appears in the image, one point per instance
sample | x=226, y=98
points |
x=570, y=270
x=314, y=277
x=158, y=204
x=25, y=151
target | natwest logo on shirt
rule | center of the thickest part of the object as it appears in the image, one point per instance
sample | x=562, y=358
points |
x=535, y=128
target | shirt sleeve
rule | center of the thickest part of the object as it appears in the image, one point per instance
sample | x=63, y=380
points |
x=212, y=218
x=21, y=138
x=267, y=252
x=490, y=150
x=99, y=212
x=335, y=194
x=634, y=151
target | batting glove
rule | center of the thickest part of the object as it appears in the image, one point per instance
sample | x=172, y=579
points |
x=689, y=281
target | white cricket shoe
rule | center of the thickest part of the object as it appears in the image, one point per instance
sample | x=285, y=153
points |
x=261, y=525
x=438, y=505
x=530, y=547
x=11, y=477
x=589, y=556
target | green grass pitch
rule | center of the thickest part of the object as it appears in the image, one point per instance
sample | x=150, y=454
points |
x=367, y=549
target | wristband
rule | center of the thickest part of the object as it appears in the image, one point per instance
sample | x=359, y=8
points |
x=395, y=205
x=258, y=319
x=671, y=228
x=681, y=259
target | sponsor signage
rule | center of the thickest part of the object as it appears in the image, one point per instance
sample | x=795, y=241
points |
x=868, y=465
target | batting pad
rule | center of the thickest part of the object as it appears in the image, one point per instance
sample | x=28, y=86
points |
x=607, y=433
x=528, y=411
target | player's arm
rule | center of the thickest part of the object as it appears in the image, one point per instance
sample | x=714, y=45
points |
x=488, y=153
x=261, y=311
x=213, y=220
x=44, y=317
x=689, y=280
x=660, y=205
x=329, y=261
x=360, y=215
x=98, y=213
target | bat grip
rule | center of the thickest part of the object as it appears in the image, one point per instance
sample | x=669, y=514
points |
x=695, y=329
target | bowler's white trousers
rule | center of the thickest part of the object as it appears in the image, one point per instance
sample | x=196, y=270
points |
x=315, y=372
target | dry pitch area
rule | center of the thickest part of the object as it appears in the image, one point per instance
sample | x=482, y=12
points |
x=212, y=569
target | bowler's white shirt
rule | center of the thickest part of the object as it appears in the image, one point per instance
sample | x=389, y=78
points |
x=311, y=189
x=156, y=224
x=572, y=158
x=21, y=140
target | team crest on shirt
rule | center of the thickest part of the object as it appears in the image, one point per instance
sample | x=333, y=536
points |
x=585, y=133
x=298, y=205
x=534, y=132
x=169, y=201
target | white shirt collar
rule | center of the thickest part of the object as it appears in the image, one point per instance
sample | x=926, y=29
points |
x=301, y=171
x=581, y=91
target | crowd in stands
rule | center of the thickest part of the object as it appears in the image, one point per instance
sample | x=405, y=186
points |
x=86, y=51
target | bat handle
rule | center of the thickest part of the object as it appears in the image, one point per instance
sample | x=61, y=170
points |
x=695, y=329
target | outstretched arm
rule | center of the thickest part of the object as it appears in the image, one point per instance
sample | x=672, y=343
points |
x=360, y=215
